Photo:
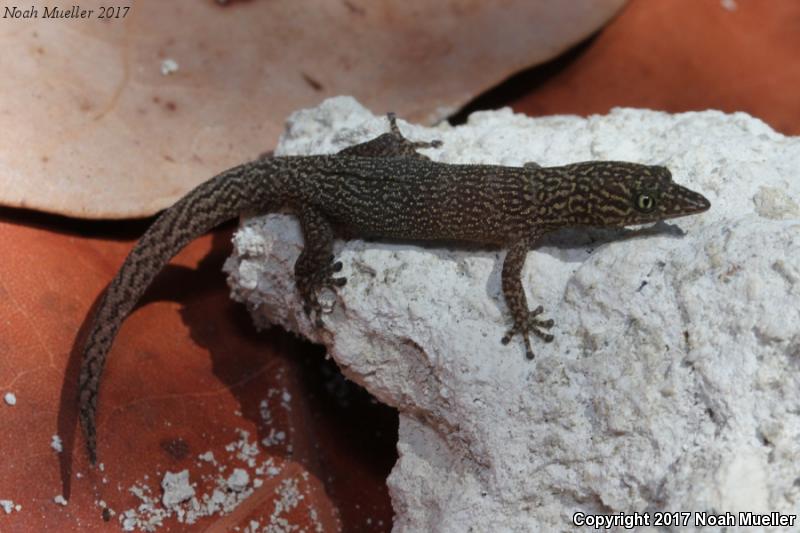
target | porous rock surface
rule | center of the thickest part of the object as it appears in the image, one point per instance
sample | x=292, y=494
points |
x=674, y=378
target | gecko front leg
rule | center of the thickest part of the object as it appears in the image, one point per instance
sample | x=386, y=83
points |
x=314, y=269
x=525, y=321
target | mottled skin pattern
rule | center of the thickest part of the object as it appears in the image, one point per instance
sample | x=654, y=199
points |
x=384, y=189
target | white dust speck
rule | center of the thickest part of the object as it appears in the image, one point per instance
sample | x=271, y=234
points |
x=207, y=457
x=56, y=444
x=168, y=66
x=289, y=497
x=730, y=5
x=266, y=415
x=10, y=399
x=245, y=450
x=60, y=500
x=273, y=438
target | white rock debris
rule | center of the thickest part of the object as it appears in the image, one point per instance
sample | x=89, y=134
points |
x=289, y=497
x=180, y=498
x=264, y=411
x=207, y=457
x=9, y=506
x=274, y=438
x=60, y=500
x=176, y=488
x=672, y=383
x=10, y=398
x=169, y=66
x=244, y=448
x=56, y=444
x=238, y=480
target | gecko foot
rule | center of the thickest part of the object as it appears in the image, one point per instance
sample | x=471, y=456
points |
x=310, y=287
x=528, y=326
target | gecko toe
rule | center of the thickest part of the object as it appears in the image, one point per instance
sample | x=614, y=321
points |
x=537, y=324
x=546, y=337
x=436, y=143
x=531, y=326
x=310, y=286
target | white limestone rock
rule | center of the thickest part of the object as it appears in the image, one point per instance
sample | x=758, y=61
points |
x=673, y=381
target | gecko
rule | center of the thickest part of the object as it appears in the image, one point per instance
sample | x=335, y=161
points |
x=385, y=189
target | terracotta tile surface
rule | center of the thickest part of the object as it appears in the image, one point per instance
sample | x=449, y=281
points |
x=675, y=55
x=119, y=117
x=183, y=365
x=187, y=360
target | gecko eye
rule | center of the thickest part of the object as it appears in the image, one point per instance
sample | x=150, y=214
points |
x=645, y=202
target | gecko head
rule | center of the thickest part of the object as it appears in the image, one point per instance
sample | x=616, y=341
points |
x=611, y=193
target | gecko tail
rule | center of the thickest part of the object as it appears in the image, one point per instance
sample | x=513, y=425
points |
x=211, y=203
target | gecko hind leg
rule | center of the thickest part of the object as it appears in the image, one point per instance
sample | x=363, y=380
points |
x=315, y=268
x=392, y=144
x=309, y=284
x=413, y=145
x=320, y=280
